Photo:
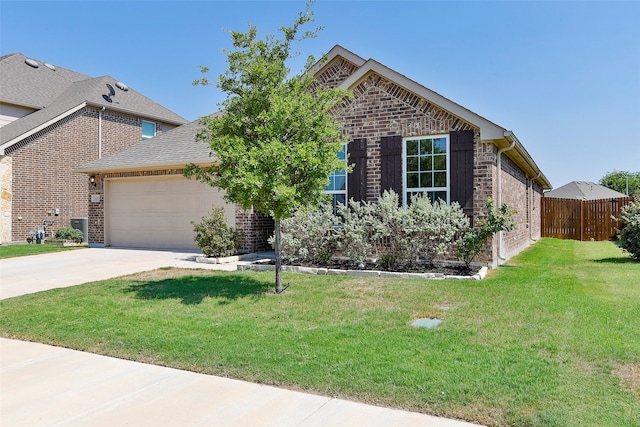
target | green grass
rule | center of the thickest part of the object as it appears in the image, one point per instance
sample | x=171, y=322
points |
x=10, y=251
x=551, y=339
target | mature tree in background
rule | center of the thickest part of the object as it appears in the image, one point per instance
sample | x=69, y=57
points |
x=275, y=144
x=617, y=180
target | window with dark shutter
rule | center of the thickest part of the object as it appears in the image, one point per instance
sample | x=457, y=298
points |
x=461, y=145
x=391, y=164
x=357, y=181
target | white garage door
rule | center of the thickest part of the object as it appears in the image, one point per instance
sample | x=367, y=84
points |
x=157, y=212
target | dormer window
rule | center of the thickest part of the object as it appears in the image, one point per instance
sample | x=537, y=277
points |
x=148, y=130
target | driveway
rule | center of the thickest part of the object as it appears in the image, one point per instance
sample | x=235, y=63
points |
x=41, y=385
x=25, y=275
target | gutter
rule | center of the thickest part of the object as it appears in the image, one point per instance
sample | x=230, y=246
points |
x=507, y=135
x=531, y=193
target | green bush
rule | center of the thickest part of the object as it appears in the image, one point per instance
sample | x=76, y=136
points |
x=392, y=234
x=310, y=236
x=214, y=237
x=629, y=234
x=69, y=234
x=472, y=242
x=435, y=226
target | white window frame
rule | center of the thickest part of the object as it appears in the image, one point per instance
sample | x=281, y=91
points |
x=405, y=189
x=346, y=178
x=155, y=129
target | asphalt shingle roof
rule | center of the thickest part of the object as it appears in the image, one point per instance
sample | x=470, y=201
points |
x=56, y=92
x=583, y=190
x=174, y=148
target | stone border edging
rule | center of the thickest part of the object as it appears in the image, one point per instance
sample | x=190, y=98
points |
x=226, y=260
x=362, y=273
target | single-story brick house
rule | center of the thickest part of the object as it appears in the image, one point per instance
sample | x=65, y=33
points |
x=53, y=120
x=403, y=137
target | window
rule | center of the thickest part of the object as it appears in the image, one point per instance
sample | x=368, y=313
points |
x=426, y=167
x=148, y=130
x=338, y=182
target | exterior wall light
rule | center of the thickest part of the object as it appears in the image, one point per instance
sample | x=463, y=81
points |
x=92, y=180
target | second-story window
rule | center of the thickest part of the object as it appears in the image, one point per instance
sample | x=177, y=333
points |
x=148, y=130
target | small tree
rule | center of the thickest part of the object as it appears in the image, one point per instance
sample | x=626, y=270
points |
x=276, y=142
x=629, y=234
x=472, y=243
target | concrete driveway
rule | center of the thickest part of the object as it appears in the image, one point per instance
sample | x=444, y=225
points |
x=25, y=275
x=41, y=385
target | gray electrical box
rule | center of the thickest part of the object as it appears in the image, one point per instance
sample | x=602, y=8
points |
x=81, y=224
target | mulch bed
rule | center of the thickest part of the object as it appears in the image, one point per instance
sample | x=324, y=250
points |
x=341, y=264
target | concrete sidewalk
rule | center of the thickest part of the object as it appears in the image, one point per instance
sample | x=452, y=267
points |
x=41, y=385
x=51, y=386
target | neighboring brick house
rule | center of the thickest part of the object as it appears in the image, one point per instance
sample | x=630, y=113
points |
x=52, y=121
x=403, y=137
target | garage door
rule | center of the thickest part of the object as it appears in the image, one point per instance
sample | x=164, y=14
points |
x=157, y=212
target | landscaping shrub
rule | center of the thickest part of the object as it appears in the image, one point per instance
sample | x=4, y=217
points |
x=69, y=234
x=389, y=232
x=434, y=226
x=471, y=244
x=393, y=234
x=310, y=236
x=629, y=234
x=214, y=237
x=356, y=231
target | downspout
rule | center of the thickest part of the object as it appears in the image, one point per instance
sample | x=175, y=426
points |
x=100, y=132
x=531, y=193
x=499, y=196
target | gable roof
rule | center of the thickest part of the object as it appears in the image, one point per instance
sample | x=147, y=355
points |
x=174, y=148
x=56, y=94
x=489, y=131
x=583, y=190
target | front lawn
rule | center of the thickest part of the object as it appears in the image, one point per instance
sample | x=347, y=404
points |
x=10, y=251
x=551, y=339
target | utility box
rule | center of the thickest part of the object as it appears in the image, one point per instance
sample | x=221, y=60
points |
x=81, y=224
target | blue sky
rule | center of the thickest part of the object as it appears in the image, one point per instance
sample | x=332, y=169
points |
x=563, y=76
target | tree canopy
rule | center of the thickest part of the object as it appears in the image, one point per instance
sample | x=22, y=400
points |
x=617, y=180
x=275, y=142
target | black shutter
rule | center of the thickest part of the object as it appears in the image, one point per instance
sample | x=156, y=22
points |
x=461, y=143
x=357, y=179
x=391, y=164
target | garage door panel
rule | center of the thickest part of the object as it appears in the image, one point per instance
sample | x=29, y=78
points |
x=157, y=213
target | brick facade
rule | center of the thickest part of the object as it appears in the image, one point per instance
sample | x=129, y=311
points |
x=381, y=108
x=42, y=167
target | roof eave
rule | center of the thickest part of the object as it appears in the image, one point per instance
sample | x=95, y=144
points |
x=41, y=126
x=91, y=170
x=524, y=160
x=335, y=51
x=136, y=113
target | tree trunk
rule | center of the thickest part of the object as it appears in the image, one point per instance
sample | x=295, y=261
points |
x=278, y=256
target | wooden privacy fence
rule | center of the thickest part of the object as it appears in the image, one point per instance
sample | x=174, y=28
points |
x=581, y=219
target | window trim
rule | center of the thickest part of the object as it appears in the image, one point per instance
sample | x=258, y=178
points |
x=155, y=129
x=405, y=189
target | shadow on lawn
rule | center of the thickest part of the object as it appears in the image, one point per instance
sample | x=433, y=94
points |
x=193, y=289
x=627, y=260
